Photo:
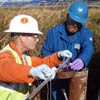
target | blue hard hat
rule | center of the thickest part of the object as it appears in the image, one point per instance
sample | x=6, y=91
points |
x=78, y=11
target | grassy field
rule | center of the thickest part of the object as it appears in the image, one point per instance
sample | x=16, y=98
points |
x=47, y=18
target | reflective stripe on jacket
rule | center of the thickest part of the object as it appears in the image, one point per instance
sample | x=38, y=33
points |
x=8, y=94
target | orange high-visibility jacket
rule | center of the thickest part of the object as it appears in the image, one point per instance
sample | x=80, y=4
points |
x=10, y=71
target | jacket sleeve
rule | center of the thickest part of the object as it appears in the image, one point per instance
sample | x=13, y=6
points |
x=47, y=48
x=51, y=60
x=87, y=48
x=10, y=71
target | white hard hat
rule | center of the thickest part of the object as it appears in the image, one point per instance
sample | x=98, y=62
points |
x=23, y=24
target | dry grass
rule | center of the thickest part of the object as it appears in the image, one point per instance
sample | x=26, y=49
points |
x=47, y=18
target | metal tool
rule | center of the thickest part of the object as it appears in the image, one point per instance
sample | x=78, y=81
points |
x=35, y=91
x=65, y=95
x=65, y=61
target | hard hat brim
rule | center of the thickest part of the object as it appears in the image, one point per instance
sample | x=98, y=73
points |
x=27, y=32
x=75, y=18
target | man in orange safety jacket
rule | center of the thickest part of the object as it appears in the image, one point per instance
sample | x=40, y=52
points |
x=18, y=69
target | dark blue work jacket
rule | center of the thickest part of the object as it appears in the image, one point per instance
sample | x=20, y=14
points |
x=80, y=43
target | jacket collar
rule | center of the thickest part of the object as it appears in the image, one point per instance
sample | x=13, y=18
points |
x=13, y=46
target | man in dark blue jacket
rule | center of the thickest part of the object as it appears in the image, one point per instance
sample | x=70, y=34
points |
x=74, y=36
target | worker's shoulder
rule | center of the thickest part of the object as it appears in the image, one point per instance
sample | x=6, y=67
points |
x=4, y=54
x=57, y=26
x=86, y=31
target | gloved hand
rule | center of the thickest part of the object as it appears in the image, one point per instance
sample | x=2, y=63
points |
x=52, y=74
x=77, y=64
x=64, y=54
x=43, y=72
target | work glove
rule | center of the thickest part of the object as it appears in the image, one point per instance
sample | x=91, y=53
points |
x=52, y=74
x=77, y=64
x=42, y=72
x=64, y=54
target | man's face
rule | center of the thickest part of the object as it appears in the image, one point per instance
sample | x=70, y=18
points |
x=29, y=41
x=72, y=26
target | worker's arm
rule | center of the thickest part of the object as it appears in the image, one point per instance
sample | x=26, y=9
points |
x=51, y=60
x=87, y=47
x=10, y=71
